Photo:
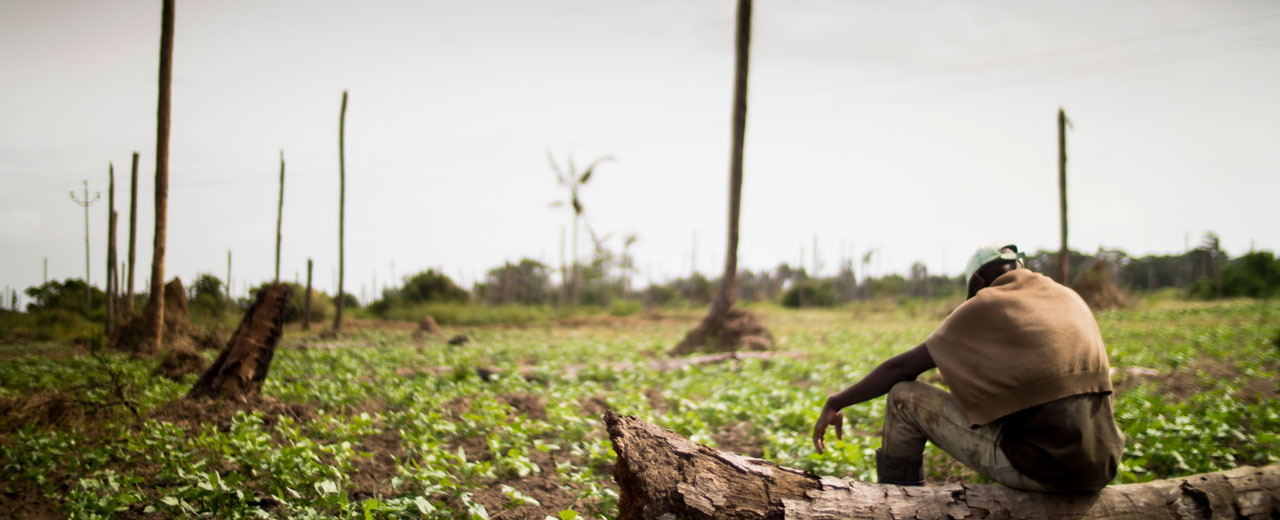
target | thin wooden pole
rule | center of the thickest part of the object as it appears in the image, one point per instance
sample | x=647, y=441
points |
x=111, y=248
x=133, y=228
x=1064, y=255
x=306, y=302
x=113, y=283
x=342, y=201
x=279, y=216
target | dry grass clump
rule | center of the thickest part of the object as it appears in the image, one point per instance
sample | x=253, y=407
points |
x=1097, y=289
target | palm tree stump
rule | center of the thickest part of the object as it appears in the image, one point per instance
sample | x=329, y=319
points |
x=242, y=366
x=664, y=475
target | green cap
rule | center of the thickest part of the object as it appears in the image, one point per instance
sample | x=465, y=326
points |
x=990, y=253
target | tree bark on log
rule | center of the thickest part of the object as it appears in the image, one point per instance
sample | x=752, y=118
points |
x=242, y=366
x=665, y=476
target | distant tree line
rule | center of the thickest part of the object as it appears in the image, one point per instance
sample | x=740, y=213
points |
x=1205, y=272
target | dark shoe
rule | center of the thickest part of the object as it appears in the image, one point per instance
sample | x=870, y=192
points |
x=899, y=471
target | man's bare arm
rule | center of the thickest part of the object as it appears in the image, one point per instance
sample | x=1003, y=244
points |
x=902, y=367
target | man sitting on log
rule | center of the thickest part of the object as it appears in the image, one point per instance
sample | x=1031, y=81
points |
x=1030, y=406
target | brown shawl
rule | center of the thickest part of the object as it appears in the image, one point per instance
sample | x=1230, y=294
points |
x=1021, y=342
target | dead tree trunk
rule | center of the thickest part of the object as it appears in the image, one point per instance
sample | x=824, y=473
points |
x=113, y=278
x=708, y=330
x=242, y=366
x=279, y=216
x=306, y=300
x=110, y=247
x=133, y=229
x=155, y=306
x=1064, y=254
x=342, y=204
x=663, y=475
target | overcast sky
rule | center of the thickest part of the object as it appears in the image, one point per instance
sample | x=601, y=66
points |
x=917, y=129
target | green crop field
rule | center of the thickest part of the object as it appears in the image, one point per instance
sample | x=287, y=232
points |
x=377, y=424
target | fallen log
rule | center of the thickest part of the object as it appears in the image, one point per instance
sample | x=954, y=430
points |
x=665, y=476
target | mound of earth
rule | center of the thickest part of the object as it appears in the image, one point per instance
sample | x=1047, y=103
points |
x=1097, y=289
x=427, y=327
x=134, y=335
x=739, y=330
x=743, y=331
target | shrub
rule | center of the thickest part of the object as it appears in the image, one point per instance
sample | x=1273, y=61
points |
x=67, y=295
x=625, y=307
x=431, y=286
x=817, y=293
x=425, y=287
x=1255, y=275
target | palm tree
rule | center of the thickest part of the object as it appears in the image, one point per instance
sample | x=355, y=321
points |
x=572, y=181
x=727, y=292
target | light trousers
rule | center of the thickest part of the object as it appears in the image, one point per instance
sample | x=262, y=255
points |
x=917, y=412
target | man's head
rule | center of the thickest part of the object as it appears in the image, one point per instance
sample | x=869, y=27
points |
x=988, y=263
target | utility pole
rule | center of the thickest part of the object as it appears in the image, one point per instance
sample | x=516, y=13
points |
x=228, y=275
x=85, y=203
x=46, y=269
x=1064, y=254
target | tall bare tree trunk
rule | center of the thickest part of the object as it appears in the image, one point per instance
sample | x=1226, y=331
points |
x=728, y=289
x=279, y=216
x=111, y=249
x=1064, y=254
x=133, y=229
x=663, y=475
x=306, y=300
x=155, y=305
x=342, y=204
x=113, y=278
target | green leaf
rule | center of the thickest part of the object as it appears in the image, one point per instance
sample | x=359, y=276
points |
x=326, y=487
x=423, y=505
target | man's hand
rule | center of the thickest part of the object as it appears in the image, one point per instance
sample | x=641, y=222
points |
x=829, y=417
